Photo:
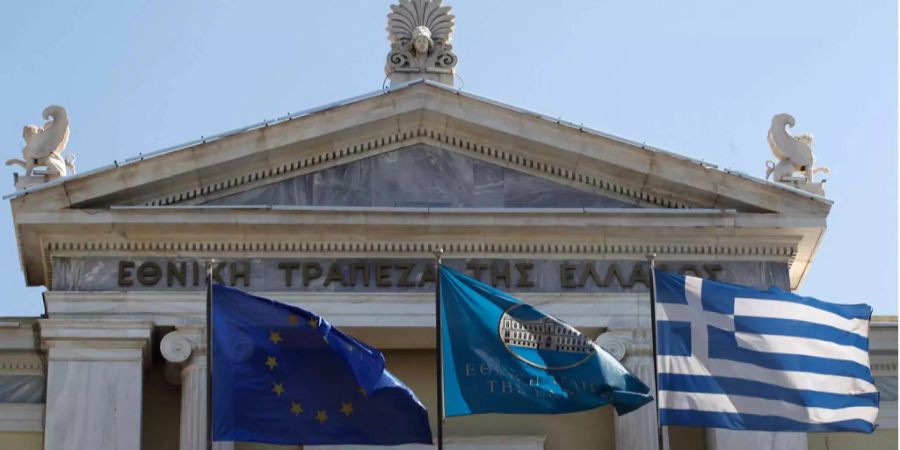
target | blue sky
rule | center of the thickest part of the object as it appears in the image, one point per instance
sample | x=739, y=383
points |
x=698, y=78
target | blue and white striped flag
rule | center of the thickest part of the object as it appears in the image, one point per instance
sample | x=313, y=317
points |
x=734, y=357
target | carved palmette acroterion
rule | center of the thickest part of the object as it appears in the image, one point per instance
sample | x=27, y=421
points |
x=420, y=32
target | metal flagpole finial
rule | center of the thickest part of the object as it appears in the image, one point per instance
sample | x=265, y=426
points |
x=439, y=254
x=210, y=266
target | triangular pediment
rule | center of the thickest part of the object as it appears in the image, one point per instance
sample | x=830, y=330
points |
x=420, y=176
x=541, y=162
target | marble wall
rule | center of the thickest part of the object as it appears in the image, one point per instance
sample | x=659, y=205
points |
x=93, y=405
x=421, y=176
x=21, y=389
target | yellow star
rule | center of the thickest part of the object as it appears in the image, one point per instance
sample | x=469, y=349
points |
x=313, y=322
x=278, y=389
x=363, y=392
x=321, y=416
x=347, y=408
x=270, y=361
x=275, y=337
x=293, y=319
x=296, y=408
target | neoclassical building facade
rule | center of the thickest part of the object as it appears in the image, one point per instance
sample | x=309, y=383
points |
x=338, y=210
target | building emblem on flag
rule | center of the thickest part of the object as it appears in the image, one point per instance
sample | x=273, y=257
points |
x=503, y=356
x=542, y=341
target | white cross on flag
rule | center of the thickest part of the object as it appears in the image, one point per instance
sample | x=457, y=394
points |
x=734, y=357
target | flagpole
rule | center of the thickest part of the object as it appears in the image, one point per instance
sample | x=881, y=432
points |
x=209, y=410
x=651, y=258
x=439, y=347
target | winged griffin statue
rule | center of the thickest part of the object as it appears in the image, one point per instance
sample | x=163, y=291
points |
x=420, y=32
x=44, y=146
x=794, y=153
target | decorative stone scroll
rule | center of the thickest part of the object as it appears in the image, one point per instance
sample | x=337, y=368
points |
x=44, y=147
x=616, y=344
x=177, y=346
x=794, y=154
x=420, y=32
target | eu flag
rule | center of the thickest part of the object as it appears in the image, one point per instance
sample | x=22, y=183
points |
x=282, y=375
x=503, y=356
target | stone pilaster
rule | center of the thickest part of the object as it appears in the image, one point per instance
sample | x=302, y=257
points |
x=637, y=429
x=94, y=383
x=185, y=351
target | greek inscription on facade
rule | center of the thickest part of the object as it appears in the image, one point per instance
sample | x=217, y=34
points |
x=400, y=274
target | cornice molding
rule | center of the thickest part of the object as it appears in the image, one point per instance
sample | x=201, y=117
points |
x=21, y=417
x=20, y=363
x=87, y=340
x=555, y=250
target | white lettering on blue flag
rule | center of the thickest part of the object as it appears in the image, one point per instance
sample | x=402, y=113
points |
x=735, y=357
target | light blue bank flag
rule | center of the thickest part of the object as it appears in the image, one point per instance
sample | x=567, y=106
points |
x=503, y=356
x=283, y=375
x=734, y=357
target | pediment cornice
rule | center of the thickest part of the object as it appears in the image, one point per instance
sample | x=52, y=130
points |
x=422, y=113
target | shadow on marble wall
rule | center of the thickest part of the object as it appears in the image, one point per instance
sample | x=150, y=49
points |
x=422, y=176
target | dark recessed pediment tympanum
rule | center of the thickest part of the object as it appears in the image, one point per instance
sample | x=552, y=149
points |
x=420, y=176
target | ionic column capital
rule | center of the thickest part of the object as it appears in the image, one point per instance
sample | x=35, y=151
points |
x=631, y=346
x=184, y=351
x=180, y=345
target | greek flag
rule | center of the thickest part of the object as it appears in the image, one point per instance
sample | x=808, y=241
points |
x=735, y=357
